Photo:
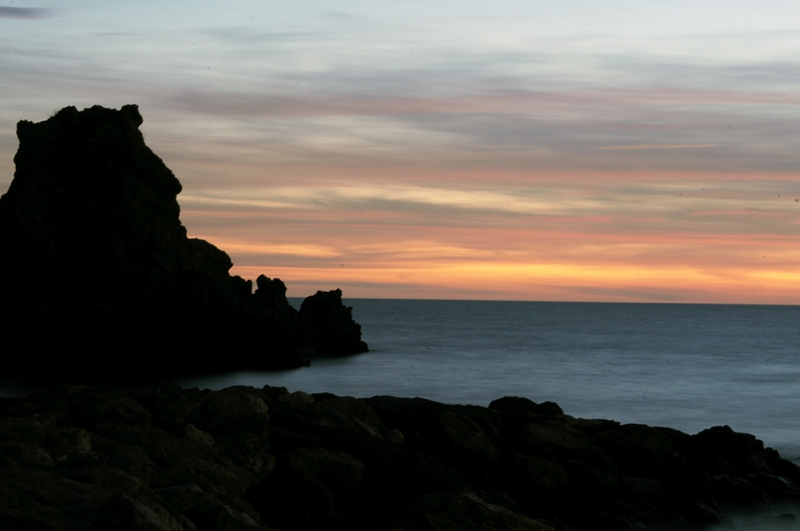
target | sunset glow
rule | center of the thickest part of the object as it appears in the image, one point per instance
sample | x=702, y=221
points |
x=618, y=152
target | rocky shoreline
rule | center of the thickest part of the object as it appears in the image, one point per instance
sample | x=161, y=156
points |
x=104, y=457
x=96, y=261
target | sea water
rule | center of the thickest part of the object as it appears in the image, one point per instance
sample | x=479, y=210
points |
x=686, y=366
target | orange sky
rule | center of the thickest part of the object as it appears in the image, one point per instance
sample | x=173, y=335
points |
x=615, y=151
x=601, y=236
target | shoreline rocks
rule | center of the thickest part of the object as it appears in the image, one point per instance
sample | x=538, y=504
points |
x=101, y=457
x=96, y=260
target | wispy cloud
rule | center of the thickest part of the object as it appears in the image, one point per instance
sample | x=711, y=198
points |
x=24, y=12
x=610, y=128
x=765, y=203
x=615, y=151
x=634, y=147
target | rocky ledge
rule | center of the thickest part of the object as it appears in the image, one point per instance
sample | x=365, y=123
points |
x=77, y=457
x=95, y=260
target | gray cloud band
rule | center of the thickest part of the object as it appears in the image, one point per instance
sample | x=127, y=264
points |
x=24, y=12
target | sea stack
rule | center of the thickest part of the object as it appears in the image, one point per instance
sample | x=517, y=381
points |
x=97, y=268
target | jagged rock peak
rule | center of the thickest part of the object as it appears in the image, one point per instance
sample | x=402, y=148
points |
x=95, y=256
x=90, y=200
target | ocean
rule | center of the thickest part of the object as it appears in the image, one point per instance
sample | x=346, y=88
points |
x=686, y=366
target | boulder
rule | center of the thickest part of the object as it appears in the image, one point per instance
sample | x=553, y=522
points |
x=35, y=499
x=205, y=511
x=462, y=434
x=83, y=458
x=557, y=441
x=464, y=510
x=127, y=512
x=25, y=454
x=339, y=471
x=22, y=429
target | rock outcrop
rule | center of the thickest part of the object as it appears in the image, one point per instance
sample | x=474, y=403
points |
x=92, y=458
x=332, y=330
x=96, y=262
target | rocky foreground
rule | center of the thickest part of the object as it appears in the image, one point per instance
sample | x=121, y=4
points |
x=77, y=457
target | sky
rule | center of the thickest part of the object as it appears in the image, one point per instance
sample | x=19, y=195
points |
x=515, y=150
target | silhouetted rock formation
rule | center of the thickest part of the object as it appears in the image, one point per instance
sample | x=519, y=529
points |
x=92, y=458
x=96, y=266
x=333, y=332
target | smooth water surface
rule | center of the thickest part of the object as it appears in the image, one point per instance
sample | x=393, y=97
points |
x=684, y=366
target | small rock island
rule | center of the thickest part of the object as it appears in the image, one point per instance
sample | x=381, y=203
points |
x=97, y=269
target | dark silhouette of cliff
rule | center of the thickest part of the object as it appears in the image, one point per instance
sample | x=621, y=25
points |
x=96, y=269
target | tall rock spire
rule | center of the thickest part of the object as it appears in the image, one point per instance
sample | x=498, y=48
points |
x=94, y=260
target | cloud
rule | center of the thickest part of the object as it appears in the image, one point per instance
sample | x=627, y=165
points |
x=656, y=146
x=630, y=294
x=753, y=203
x=371, y=99
x=24, y=12
x=580, y=128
